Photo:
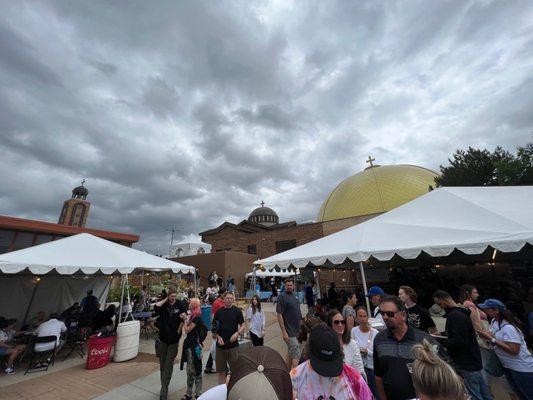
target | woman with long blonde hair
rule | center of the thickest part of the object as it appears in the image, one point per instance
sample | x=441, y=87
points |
x=433, y=378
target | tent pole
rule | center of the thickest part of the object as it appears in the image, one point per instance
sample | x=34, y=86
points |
x=316, y=277
x=254, y=280
x=38, y=279
x=362, y=268
x=121, y=298
x=195, y=284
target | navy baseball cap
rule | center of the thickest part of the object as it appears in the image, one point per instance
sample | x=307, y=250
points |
x=492, y=303
x=374, y=290
x=325, y=352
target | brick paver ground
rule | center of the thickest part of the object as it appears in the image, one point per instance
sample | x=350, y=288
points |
x=78, y=383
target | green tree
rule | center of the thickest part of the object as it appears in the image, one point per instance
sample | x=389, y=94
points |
x=475, y=167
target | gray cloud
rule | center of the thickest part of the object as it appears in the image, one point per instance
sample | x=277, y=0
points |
x=186, y=114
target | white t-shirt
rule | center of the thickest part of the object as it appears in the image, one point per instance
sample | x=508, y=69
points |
x=4, y=336
x=523, y=361
x=377, y=321
x=352, y=356
x=365, y=340
x=216, y=393
x=52, y=327
x=256, y=321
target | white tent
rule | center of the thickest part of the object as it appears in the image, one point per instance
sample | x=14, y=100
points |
x=468, y=219
x=66, y=269
x=86, y=254
x=269, y=274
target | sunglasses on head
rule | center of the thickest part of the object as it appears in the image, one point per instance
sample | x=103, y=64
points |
x=339, y=322
x=389, y=314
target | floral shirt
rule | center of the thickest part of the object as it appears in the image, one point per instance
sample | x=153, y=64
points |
x=308, y=385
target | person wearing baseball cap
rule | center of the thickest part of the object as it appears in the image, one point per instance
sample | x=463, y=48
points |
x=324, y=375
x=510, y=347
x=260, y=373
x=374, y=294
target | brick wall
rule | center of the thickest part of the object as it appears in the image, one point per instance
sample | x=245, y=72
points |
x=265, y=242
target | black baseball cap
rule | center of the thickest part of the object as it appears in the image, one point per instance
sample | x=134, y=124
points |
x=325, y=351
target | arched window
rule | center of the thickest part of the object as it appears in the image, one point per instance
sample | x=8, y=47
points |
x=200, y=250
x=78, y=212
x=179, y=252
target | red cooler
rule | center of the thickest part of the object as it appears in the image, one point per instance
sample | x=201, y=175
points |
x=99, y=350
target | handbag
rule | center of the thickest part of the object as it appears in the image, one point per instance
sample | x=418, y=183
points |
x=493, y=366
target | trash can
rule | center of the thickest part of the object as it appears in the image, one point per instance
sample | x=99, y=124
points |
x=127, y=346
x=206, y=316
x=99, y=350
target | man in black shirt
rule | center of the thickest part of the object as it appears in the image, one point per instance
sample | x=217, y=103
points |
x=417, y=316
x=170, y=324
x=461, y=344
x=228, y=324
x=392, y=351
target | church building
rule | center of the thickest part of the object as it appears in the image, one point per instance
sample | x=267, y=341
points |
x=19, y=233
x=358, y=198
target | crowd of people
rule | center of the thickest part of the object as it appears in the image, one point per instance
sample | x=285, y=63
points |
x=340, y=349
x=84, y=315
x=468, y=350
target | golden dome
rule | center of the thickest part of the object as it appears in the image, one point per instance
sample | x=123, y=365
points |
x=375, y=190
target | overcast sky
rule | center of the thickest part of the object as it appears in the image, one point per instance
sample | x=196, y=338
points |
x=184, y=114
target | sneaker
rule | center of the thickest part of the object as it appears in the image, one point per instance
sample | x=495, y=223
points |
x=9, y=371
x=209, y=371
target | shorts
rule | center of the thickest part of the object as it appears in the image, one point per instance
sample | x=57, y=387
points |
x=294, y=348
x=225, y=358
x=3, y=351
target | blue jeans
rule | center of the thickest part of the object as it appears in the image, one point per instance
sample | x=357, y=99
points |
x=371, y=381
x=475, y=385
x=521, y=383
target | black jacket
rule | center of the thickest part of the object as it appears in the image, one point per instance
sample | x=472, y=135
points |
x=462, y=344
x=168, y=322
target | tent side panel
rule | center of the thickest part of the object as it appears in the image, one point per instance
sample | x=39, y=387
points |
x=54, y=293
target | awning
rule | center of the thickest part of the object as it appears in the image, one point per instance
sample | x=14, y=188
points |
x=269, y=274
x=469, y=219
x=87, y=254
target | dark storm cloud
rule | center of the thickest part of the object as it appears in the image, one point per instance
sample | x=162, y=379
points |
x=21, y=59
x=186, y=114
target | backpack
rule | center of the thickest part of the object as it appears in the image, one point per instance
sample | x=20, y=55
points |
x=202, y=331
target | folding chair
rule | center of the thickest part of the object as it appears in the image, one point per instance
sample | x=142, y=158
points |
x=75, y=341
x=41, y=360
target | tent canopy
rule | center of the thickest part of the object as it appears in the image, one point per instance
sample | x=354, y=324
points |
x=268, y=274
x=87, y=254
x=468, y=219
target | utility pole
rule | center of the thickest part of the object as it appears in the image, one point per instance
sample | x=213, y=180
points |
x=172, y=230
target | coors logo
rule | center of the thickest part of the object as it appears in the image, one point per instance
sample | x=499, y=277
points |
x=99, y=352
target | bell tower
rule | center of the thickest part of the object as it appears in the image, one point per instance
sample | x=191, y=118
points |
x=76, y=209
